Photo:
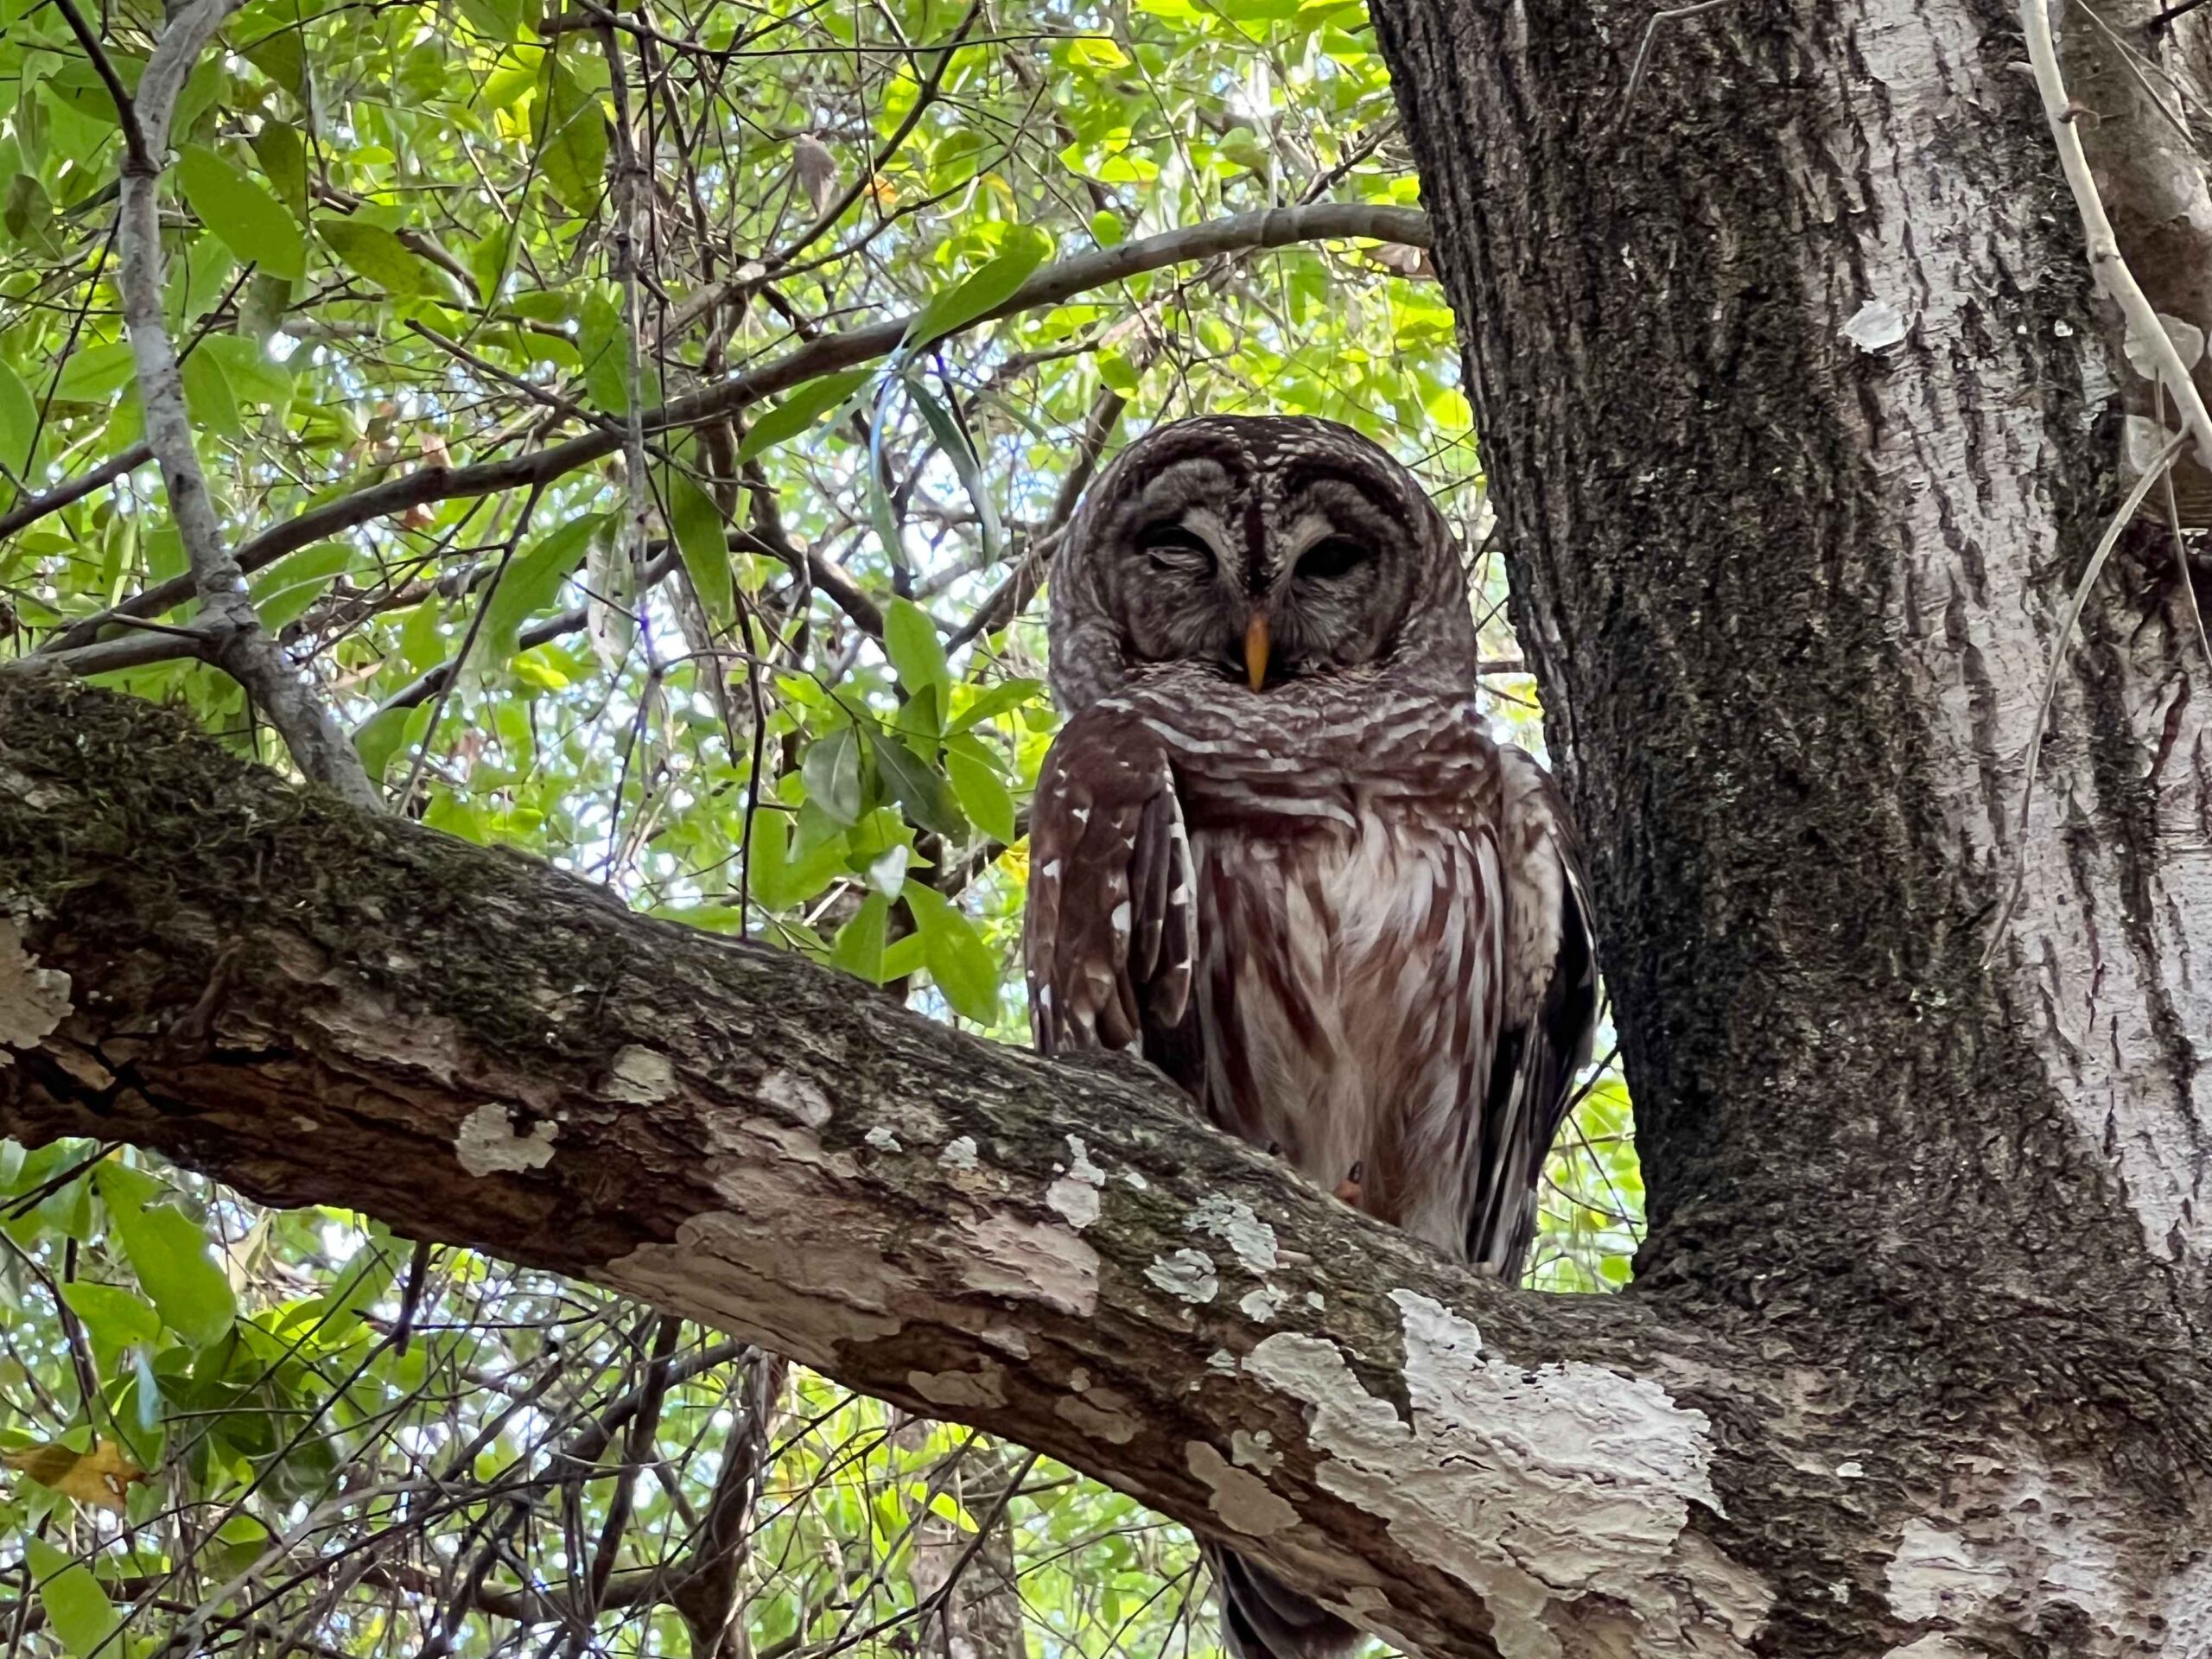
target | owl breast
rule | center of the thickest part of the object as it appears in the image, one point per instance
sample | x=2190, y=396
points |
x=1348, y=934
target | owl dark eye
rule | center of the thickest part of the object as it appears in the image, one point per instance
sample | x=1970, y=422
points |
x=1170, y=546
x=1332, y=557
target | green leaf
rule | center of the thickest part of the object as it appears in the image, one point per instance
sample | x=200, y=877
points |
x=704, y=542
x=282, y=58
x=250, y=221
x=571, y=139
x=372, y=252
x=500, y=19
x=859, y=947
x=782, y=880
x=95, y=373
x=604, y=342
x=387, y=732
x=831, y=772
x=960, y=449
x=1107, y=229
x=254, y=376
x=983, y=796
x=956, y=957
x=114, y=1316
x=283, y=157
x=530, y=584
x=911, y=641
x=285, y=591
x=919, y=788
x=995, y=701
x=208, y=397
x=18, y=421
x=1117, y=374
x=983, y=290
x=813, y=399
x=170, y=1256
x=76, y=1607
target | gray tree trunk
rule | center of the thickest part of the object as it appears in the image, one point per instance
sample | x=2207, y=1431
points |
x=1801, y=422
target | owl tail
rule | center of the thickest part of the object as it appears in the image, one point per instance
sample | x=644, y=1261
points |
x=1262, y=1618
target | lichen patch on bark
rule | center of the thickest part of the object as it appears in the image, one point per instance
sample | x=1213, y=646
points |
x=33, y=1000
x=491, y=1143
x=1541, y=1490
x=1241, y=1499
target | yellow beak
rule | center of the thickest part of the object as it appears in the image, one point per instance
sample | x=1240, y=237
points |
x=1256, y=650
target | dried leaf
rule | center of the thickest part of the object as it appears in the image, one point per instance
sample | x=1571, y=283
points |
x=101, y=1476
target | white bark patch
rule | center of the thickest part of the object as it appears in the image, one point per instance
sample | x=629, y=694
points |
x=1940, y=1574
x=1185, y=1274
x=882, y=1140
x=1251, y=1239
x=1261, y=1306
x=1253, y=1450
x=959, y=1154
x=1239, y=1497
x=1101, y=1413
x=2025, y=1538
x=955, y=1389
x=1559, y=1494
x=640, y=1077
x=1075, y=1194
x=33, y=1000
x=1875, y=326
x=1031, y=1262
x=789, y=1092
x=1222, y=1361
x=490, y=1144
x=726, y=1271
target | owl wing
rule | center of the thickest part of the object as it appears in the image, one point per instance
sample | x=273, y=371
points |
x=1112, y=918
x=1550, y=1012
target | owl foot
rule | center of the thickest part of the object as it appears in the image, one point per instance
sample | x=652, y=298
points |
x=1351, y=1190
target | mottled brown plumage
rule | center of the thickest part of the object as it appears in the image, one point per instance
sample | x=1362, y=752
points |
x=1274, y=848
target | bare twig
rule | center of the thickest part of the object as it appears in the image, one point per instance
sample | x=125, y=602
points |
x=32, y=508
x=1274, y=228
x=236, y=640
x=2106, y=261
x=1672, y=14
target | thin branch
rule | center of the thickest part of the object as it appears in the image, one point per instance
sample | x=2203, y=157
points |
x=32, y=508
x=1671, y=15
x=1100, y=268
x=2105, y=260
x=138, y=155
x=235, y=639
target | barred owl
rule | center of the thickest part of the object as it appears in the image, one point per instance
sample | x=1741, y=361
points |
x=1275, y=850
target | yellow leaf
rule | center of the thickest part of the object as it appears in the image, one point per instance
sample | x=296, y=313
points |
x=101, y=1476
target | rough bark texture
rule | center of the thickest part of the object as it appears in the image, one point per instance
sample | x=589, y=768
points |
x=316, y=1004
x=1801, y=422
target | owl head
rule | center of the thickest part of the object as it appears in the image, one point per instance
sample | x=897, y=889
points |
x=1270, y=553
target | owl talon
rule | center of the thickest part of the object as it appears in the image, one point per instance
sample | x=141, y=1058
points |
x=1351, y=1189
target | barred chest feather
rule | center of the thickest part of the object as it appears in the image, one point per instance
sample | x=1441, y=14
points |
x=1350, y=932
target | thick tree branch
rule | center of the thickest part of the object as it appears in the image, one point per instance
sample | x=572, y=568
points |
x=1275, y=228
x=484, y=1052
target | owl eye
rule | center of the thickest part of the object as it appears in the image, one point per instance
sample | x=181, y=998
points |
x=1333, y=556
x=1172, y=546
